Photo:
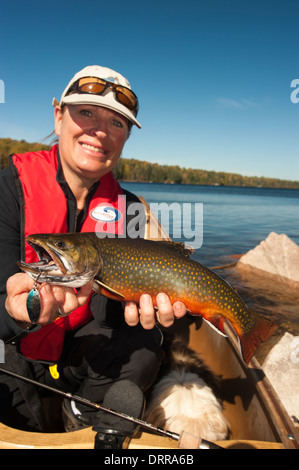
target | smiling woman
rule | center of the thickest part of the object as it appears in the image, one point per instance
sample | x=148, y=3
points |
x=93, y=341
x=91, y=139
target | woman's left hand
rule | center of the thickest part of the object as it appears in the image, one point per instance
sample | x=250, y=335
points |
x=148, y=315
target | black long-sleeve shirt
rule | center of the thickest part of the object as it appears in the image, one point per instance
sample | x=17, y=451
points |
x=10, y=235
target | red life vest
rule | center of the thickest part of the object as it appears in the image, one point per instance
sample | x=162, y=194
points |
x=44, y=210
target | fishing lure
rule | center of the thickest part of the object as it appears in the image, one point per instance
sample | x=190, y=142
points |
x=33, y=304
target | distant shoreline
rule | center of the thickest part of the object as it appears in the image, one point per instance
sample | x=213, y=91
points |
x=133, y=170
x=215, y=185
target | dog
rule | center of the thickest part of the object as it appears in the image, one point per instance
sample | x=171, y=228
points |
x=186, y=395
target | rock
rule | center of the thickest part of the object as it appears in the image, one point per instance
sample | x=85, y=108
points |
x=281, y=366
x=277, y=254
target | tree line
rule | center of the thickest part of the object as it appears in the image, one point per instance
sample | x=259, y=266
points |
x=9, y=146
x=129, y=169
x=136, y=170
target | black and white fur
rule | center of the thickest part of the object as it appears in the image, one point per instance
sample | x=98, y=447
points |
x=186, y=396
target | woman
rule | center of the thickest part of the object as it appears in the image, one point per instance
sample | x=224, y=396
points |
x=91, y=341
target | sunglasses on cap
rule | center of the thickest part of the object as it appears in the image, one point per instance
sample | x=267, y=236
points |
x=97, y=86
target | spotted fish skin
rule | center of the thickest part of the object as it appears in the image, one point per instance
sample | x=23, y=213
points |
x=134, y=267
x=126, y=268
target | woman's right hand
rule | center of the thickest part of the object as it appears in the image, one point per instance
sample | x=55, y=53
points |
x=54, y=299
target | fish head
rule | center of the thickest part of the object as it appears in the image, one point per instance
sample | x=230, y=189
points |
x=69, y=259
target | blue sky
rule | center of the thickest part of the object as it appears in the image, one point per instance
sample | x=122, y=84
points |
x=213, y=77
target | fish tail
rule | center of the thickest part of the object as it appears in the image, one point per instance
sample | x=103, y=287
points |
x=262, y=329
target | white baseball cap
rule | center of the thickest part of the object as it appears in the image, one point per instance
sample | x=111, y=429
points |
x=108, y=99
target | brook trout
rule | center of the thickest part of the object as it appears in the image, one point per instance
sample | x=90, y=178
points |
x=123, y=269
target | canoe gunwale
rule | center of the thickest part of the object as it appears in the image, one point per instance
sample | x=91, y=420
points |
x=281, y=424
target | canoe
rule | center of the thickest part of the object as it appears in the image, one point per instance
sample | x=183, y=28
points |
x=257, y=418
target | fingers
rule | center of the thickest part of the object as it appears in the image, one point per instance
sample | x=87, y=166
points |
x=49, y=304
x=17, y=288
x=147, y=312
x=165, y=314
x=131, y=313
x=84, y=293
x=179, y=309
x=53, y=299
x=59, y=300
x=17, y=284
x=148, y=315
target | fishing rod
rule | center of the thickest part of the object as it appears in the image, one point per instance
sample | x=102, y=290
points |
x=185, y=440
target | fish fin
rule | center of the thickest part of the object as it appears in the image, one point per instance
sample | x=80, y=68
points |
x=212, y=317
x=178, y=246
x=248, y=343
x=259, y=333
x=107, y=291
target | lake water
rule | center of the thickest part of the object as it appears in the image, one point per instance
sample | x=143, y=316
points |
x=235, y=220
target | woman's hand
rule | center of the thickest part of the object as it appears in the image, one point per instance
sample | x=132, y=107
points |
x=147, y=315
x=54, y=299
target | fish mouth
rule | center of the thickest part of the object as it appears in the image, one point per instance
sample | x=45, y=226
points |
x=52, y=267
x=48, y=262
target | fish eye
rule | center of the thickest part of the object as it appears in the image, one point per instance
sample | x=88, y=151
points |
x=60, y=244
